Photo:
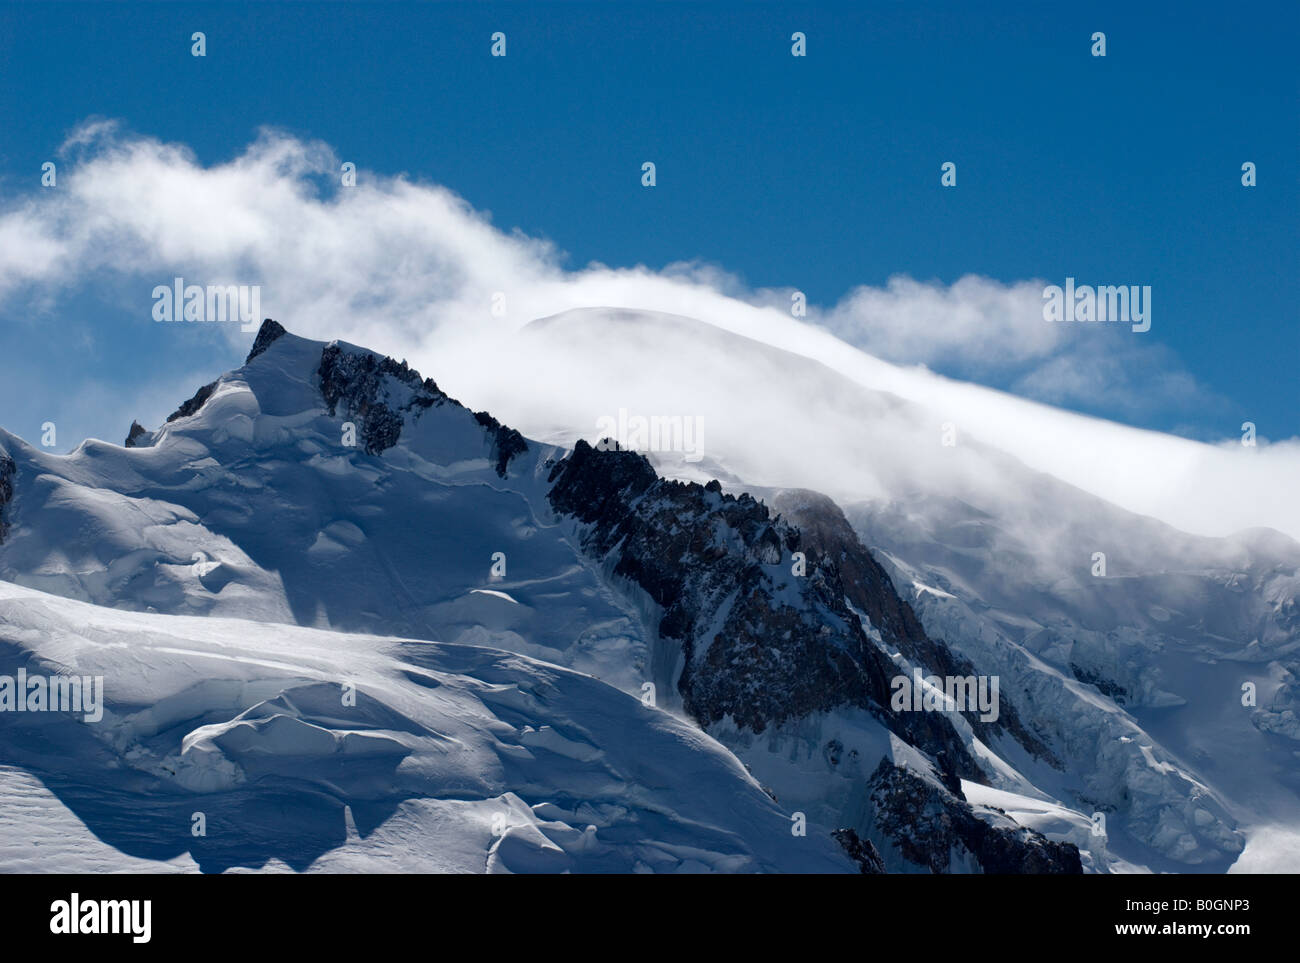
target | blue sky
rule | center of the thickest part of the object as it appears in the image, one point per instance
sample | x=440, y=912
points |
x=819, y=173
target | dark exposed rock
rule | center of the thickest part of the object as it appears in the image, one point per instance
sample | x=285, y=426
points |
x=194, y=404
x=760, y=645
x=269, y=331
x=872, y=592
x=861, y=851
x=7, y=472
x=1103, y=685
x=357, y=381
x=506, y=442
x=136, y=431
x=930, y=826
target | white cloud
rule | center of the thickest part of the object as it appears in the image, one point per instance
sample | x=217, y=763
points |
x=976, y=320
x=410, y=269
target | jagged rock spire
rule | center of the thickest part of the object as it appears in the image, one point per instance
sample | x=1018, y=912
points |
x=267, y=334
x=136, y=431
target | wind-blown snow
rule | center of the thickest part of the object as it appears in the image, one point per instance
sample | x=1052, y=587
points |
x=254, y=507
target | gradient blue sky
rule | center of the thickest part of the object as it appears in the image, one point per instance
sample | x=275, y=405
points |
x=820, y=173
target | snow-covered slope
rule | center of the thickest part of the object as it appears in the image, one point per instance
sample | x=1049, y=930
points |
x=308, y=749
x=325, y=486
x=1134, y=679
x=1172, y=676
x=254, y=504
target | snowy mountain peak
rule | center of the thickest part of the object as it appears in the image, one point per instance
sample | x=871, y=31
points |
x=266, y=334
x=324, y=485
